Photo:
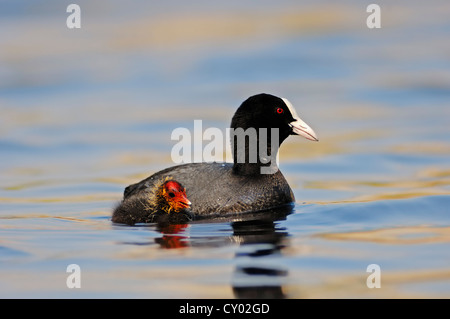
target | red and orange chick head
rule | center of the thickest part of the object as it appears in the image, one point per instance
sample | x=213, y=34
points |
x=175, y=196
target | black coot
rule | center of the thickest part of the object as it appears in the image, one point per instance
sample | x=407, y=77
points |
x=222, y=188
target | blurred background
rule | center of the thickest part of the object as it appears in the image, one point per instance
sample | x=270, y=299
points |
x=85, y=112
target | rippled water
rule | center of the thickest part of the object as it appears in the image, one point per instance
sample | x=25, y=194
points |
x=86, y=112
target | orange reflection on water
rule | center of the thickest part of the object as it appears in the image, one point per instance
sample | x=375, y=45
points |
x=173, y=236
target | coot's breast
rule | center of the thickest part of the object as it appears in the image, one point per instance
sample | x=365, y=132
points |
x=213, y=188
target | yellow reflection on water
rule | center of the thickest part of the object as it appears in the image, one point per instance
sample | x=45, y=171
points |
x=430, y=147
x=428, y=181
x=62, y=199
x=215, y=27
x=397, y=236
x=395, y=284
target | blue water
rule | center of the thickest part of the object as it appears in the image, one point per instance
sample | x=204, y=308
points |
x=87, y=112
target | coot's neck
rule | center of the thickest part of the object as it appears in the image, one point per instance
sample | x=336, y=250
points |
x=255, y=150
x=254, y=169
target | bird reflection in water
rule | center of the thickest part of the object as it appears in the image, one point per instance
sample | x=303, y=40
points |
x=173, y=236
x=258, y=273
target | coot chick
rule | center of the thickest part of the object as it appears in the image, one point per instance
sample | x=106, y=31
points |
x=165, y=203
x=218, y=189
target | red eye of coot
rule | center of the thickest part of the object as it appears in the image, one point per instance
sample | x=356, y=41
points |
x=280, y=110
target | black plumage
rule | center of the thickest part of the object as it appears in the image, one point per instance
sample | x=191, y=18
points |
x=223, y=188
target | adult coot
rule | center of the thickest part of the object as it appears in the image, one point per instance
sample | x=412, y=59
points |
x=164, y=202
x=248, y=184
